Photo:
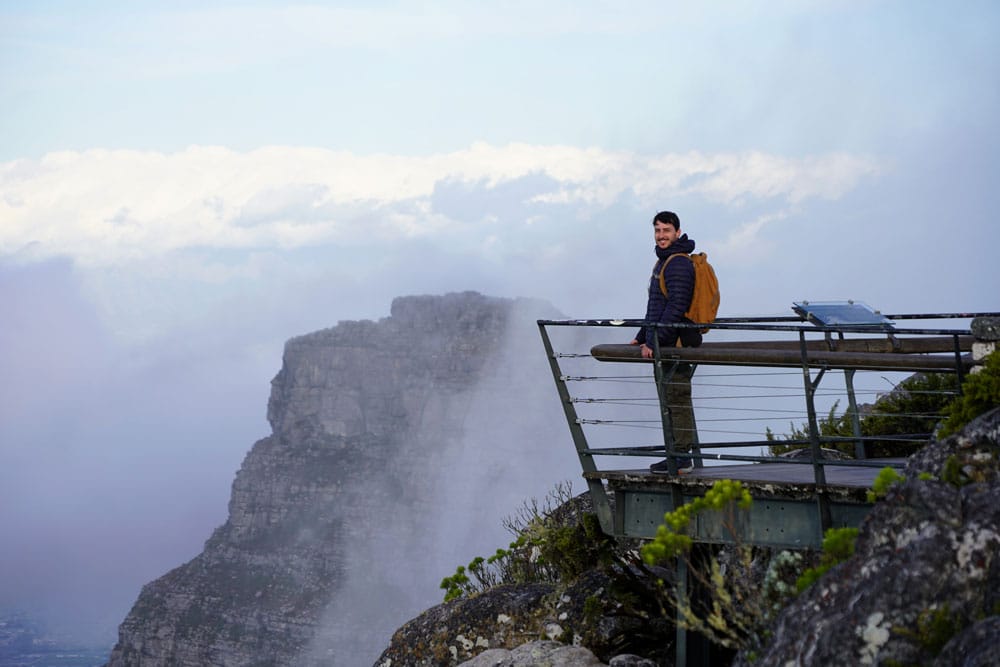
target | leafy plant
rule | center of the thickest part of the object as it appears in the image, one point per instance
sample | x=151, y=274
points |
x=554, y=541
x=838, y=546
x=736, y=608
x=671, y=536
x=980, y=392
x=886, y=478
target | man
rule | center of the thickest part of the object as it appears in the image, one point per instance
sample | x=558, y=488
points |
x=678, y=277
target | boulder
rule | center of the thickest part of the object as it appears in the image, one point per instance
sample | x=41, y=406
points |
x=533, y=654
x=924, y=581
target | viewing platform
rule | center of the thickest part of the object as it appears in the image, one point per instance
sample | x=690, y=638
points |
x=753, y=378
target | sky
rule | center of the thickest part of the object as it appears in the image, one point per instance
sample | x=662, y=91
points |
x=186, y=185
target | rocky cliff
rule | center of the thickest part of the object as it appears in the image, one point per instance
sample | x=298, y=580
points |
x=923, y=586
x=394, y=445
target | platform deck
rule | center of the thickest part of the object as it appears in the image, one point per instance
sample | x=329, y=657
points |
x=797, y=474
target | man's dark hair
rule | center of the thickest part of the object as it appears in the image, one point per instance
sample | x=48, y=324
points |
x=667, y=218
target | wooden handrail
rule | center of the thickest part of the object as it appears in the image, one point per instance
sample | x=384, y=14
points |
x=787, y=354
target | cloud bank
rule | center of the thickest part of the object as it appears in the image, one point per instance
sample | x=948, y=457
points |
x=101, y=207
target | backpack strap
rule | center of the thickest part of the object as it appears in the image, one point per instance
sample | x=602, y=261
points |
x=663, y=268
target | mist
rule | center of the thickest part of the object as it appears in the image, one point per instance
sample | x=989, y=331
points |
x=116, y=460
x=161, y=240
x=508, y=444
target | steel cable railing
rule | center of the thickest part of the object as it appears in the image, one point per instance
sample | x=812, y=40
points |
x=728, y=397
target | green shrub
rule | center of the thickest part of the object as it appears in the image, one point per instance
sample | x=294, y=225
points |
x=838, y=546
x=736, y=609
x=554, y=541
x=886, y=478
x=980, y=393
x=671, y=536
x=913, y=407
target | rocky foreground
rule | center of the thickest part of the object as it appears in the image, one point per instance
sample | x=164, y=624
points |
x=923, y=588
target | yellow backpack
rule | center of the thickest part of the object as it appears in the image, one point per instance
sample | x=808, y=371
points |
x=706, y=296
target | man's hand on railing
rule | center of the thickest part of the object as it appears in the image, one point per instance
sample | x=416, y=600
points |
x=647, y=351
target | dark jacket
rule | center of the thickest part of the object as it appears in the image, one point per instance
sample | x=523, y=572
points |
x=679, y=278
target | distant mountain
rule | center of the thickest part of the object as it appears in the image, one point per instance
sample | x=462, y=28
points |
x=393, y=445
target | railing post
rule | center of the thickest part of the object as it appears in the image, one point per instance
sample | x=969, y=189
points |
x=695, y=441
x=810, y=391
x=816, y=449
x=852, y=402
x=959, y=371
x=602, y=506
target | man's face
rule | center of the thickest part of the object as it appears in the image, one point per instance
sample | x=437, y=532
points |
x=664, y=234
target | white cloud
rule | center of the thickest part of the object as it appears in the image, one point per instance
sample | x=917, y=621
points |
x=732, y=178
x=104, y=206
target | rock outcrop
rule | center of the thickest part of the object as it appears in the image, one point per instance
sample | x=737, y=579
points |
x=536, y=653
x=923, y=587
x=499, y=622
x=602, y=607
x=341, y=521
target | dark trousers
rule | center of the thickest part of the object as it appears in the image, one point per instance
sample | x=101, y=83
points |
x=681, y=410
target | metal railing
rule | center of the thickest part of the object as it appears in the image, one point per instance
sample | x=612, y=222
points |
x=750, y=376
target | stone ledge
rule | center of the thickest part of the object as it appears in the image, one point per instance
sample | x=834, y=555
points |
x=986, y=328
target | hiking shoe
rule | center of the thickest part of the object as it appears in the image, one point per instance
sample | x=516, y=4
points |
x=684, y=465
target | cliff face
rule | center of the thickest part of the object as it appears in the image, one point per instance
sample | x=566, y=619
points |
x=339, y=525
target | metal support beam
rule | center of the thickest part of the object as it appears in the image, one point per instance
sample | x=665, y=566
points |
x=602, y=505
x=817, y=452
x=959, y=366
x=852, y=403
